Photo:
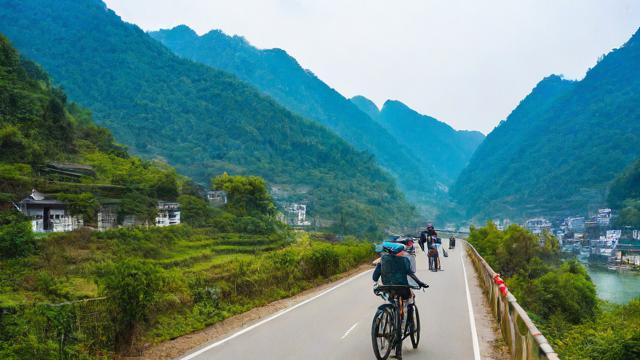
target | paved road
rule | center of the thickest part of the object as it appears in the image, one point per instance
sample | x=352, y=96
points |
x=336, y=324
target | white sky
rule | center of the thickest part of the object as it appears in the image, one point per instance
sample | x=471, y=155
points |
x=467, y=63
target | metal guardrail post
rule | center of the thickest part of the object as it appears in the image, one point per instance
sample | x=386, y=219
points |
x=520, y=333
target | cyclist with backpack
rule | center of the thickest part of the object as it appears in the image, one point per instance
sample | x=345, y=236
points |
x=395, y=268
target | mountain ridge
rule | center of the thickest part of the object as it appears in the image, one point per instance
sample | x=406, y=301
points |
x=201, y=120
x=440, y=147
x=560, y=148
x=280, y=76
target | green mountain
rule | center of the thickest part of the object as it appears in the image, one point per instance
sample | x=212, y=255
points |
x=42, y=136
x=201, y=120
x=440, y=149
x=280, y=76
x=624, y=196
x=560, y=148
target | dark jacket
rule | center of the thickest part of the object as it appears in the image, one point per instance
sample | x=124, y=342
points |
x=394, y=270
x=429, y=238
x=423, y=239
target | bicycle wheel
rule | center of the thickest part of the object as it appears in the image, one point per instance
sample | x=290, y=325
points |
x=383, y=330
x=415, y=333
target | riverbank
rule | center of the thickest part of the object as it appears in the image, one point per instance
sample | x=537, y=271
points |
x=616, y=286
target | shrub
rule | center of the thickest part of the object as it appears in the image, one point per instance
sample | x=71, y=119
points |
x=16, y=237
x=132, y=288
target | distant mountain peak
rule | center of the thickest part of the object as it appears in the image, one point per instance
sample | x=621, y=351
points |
x=183, y=30
x=365, y=105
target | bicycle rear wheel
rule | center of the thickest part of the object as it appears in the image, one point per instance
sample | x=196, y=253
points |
x=415, y=332
x=383, y=330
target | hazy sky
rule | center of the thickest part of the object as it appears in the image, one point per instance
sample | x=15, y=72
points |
x=467, y=63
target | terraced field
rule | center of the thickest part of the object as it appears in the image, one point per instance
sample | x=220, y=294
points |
x=69, y=265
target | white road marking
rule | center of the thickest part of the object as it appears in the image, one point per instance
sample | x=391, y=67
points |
x=349, y=331
x=472, y=321
x=247, y=329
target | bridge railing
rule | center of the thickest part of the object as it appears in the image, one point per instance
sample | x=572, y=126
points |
x=520, y=333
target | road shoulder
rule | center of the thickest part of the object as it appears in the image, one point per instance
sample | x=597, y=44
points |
x=177, y=347
x=492, y=346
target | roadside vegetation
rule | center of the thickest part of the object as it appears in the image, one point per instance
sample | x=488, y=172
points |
x=559, y=295
x=152, y=284
x=89, y=294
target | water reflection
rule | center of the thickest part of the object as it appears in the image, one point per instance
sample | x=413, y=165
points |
x=615, y=286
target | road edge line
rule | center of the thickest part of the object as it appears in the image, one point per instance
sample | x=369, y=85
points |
x=274, y=316
x=472, y=318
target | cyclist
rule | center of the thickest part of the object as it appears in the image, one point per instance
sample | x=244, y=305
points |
x=452, y=242
x=394, y=268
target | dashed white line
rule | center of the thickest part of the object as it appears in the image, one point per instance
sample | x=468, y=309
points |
x=247, y=329
x=349, y=331
x=472, y=321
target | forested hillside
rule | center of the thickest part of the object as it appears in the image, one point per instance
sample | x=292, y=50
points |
x=201, y=120
x=440, y=149
x=624, y=195
x=38, y=127
x=280, y=76
x=561, y=147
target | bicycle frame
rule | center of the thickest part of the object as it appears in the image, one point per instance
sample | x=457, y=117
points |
x=398, y=306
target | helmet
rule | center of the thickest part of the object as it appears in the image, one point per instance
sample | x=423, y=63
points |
x=405, y=240
x=392, y=247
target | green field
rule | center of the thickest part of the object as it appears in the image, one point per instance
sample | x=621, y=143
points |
x=203, y=276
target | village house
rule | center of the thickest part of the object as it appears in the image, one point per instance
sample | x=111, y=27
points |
x=297, y=215
x=537, y=225
x=107, y=215
x=604, y=217
x=217, y=197
x=48, y=215
x=168, y=213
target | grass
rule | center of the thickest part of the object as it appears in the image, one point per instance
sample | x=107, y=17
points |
x=207, y=277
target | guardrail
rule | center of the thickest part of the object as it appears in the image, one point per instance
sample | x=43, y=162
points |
x=521, y=335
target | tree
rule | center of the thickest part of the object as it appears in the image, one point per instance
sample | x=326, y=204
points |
x=519, y=247
x=16, y=237
x=85, y=205
x=246, y=195
x=567, y=292
x=132, y=288
x=195, y=211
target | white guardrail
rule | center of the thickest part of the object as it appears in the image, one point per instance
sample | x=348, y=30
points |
x=520, y=333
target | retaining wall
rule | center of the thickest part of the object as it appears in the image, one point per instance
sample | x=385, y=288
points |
x=521, y=335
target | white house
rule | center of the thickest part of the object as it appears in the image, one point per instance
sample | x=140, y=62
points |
x=168, y=213
x=537, y=225
x=297, y=215
x=604, y=217
x=48, y=215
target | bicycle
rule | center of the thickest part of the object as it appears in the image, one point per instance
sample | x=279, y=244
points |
x=386, y=328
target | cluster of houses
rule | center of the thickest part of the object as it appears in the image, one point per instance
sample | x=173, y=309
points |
x=591, y=237
x=51, y=215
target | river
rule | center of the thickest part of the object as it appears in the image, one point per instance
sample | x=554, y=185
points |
x=615, y=286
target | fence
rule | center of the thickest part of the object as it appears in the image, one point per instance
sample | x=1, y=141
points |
x=522, y=337
x=83, y=325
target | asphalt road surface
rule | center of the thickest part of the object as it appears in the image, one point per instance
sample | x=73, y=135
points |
x=336, y=324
